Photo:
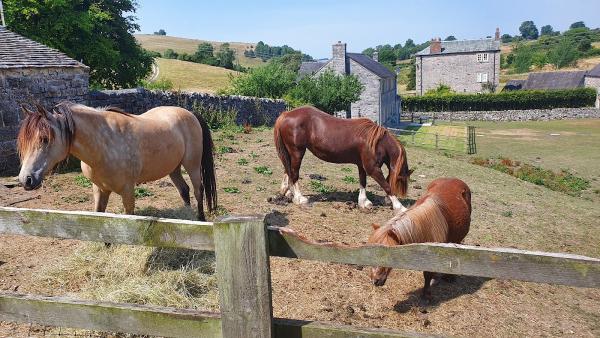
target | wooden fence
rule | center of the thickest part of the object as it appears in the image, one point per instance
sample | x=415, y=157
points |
x=242, y=246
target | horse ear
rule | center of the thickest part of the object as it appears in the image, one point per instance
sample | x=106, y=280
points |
x=25, y=111
x=375, y=226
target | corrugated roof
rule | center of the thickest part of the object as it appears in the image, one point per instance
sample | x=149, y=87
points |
x=595, y=72
x=372, y=65
x=555, y=80
x=17, y=51
x=465, y=46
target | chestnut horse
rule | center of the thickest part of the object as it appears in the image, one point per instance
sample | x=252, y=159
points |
x=442, y=215
x=119, y=150
x=356, y=141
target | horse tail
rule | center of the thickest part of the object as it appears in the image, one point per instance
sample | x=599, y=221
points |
x=208, y=166
x=282, y=152
x=400, y=175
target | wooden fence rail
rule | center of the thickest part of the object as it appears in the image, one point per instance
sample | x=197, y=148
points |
x=243, y=246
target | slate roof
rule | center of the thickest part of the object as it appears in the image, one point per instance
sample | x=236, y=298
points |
x=309, y=68
x=514, y=85
x=17, y=51
x=555, y=80
x=594, y=72
x=372, y=65
x=465, y=46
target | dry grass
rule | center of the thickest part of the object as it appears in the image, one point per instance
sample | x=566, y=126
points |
x=192, y=76
x=161, y=43
x=507, y=212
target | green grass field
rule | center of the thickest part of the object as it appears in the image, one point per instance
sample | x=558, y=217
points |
x=443, y=137
x=191, y=76
x=160, y=43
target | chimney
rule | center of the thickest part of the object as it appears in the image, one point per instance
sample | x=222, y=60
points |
x=436, y=46
x=339, y=51
x=376, y=56
x=497, y=34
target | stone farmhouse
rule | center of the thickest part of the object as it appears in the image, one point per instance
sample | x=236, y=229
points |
x=592, y=79
x=379, y=100
x=31, y=72
x=467, y=66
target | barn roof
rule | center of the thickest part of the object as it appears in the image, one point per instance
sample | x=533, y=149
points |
x=594, y=72
x=465, y=46
x=555, y=80
x=372, y=65
x=311, y=67
x=17, y=51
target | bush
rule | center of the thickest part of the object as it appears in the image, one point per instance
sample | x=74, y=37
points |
x=216, y=118
x=513, y=100
x=273, y=81
x=160, y=84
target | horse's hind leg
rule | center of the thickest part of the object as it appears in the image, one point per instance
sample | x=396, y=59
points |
x=181, y=185
x=196, y=178
x=426, y=287
x=363, y=200
x=295, y=162
x=285, y=187
x=100, y=198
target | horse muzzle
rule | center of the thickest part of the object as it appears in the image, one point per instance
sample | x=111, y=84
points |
x=379, y=282
x=31, y=183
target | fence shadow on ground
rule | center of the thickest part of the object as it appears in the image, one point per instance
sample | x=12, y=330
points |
x=352, y=197
x=442, y=291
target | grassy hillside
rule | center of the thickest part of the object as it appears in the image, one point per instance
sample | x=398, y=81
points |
x=193, y=76
x=160, y=43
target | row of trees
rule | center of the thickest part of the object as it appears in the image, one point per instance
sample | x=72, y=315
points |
x=266, y=52
x=97, y=32
x=278, y=79
x=205, y=54
x=529, y=31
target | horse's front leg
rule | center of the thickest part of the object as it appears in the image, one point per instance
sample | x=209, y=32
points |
x=377, y=175
x=128, y=197
x=285, y=187
x=100, y=198
x=363, y=200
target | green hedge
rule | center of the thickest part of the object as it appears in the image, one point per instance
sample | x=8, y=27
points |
x=513, y=100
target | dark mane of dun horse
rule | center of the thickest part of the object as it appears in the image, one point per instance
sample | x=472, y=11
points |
x=441, y=215
x=357, y=141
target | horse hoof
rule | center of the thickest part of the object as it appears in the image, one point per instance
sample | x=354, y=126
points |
x=288, y=194
x=366, y=205
x=301, y=200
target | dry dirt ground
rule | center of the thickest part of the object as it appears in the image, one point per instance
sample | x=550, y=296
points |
x=507, y=212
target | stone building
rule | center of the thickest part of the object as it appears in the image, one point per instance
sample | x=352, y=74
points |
x=31, y=72
x=592, y=79
x=467, y=66
x=379, y=100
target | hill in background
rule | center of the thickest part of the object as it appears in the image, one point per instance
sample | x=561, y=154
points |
x=190, y=76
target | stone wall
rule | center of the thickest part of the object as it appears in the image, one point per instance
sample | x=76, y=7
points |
x=368, y=103
x=459, y=71
x=47, y=86
x=137, y=101
x=594, y=82
x=512, y=115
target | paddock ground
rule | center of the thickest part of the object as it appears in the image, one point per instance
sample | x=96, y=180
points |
x=507, y=212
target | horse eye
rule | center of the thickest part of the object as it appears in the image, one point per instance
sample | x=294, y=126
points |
x=45, y=140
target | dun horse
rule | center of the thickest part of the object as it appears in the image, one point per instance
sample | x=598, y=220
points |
x=442, y=215
x=356, y=141
x=119, y=150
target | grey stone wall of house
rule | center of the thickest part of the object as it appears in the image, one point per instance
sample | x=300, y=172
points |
x=594, y=82
x=47, y=86
x=390, y=103
x=513, y=115
x=369, y=103
x=459, y=71
x=256, y=111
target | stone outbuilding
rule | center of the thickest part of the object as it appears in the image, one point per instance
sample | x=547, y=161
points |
x=466, y=66
x=379, y=100
x=31, y=72
x=592, y=79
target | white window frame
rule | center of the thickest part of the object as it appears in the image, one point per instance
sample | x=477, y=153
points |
x=482, y=77
x=483, y=57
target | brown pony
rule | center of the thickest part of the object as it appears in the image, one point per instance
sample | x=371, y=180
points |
x=357, y=141
x=119, y=150
x=442, y=215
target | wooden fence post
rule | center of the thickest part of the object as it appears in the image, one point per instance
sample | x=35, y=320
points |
x=244, y=278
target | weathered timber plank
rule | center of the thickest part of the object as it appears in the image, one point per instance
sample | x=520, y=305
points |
x=107, y=228
x=109, y=317
x=244, y=278
x=531, y=266
x=286, y=328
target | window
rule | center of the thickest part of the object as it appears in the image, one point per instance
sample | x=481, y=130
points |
x=482, y=77
x=482, y=57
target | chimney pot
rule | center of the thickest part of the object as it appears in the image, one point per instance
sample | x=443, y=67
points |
x=376, y=56
x=436, y=46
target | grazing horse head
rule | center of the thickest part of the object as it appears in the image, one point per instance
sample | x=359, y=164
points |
x=44, y=140
x=399, y=173
x=383, y=236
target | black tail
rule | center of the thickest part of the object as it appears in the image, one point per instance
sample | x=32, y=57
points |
x=208, y=166
x=282, y=152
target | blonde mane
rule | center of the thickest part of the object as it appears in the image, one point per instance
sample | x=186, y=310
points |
x=421, y=224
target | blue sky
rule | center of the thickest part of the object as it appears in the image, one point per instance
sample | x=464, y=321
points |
x=313, y=26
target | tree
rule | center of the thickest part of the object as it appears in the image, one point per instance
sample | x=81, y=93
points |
x=160, y=32
x=523, y=58
x=563, y=55
x=97, y=32
x=547, y=30
x=369, y=52
x=450, y=38
x=412, y=76
x=386, y=54
x=529, y=30
x=506, y=38
x=584, y=45
x=578, y=24
x=226, y=56
x=329, y=92
x=273, y=80
x=170, y=54
x=204, y=54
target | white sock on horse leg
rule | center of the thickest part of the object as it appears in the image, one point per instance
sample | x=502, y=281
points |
x=285, y=190
x=363, y=201
x=298, y=198
x=396, y=204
